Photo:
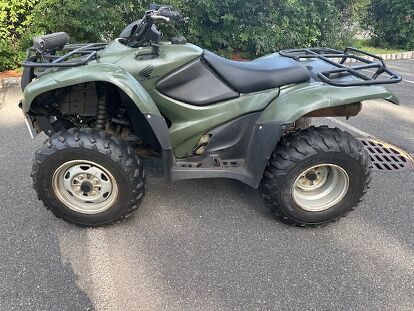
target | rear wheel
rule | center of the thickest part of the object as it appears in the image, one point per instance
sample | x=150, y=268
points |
x=316, y=176
x=88, y=177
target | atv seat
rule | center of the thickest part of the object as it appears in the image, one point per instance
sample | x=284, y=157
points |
x=263, y=73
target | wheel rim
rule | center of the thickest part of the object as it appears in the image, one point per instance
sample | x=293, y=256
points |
x=85, y=187
x=320, y=187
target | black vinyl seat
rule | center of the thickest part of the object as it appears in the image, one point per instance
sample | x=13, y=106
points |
x=263, y=73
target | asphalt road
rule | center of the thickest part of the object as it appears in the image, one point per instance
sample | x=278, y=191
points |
x=210, y=244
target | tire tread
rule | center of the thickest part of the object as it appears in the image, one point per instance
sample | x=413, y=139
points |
x=290, y=151
x=104, y=143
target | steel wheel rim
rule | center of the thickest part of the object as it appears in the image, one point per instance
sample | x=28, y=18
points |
x=85, y=186
x=320, y=187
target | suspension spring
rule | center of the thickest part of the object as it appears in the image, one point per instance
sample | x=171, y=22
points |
x=101, y=113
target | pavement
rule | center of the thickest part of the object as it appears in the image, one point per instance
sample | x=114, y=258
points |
x=210, y=244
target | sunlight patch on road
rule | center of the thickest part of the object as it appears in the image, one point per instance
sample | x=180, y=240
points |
x=399, y=112
x=101, y=271
x=10, y=114
x=379, y=251
x=114, y=276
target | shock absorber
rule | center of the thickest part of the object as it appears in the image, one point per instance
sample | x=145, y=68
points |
x=101, y=113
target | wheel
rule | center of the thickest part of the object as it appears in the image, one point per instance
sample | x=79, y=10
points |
x=88, y=177
x=316, y=176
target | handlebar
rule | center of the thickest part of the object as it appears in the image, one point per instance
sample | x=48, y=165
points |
x=160, y=18
x=163, y=12
x=167, y=12
x=144, y=30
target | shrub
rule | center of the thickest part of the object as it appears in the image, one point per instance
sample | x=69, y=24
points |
x=15, y=19
x=88, y=20
x=10, y=56
x=263, y=26
x=391, y=23
x=254, y=27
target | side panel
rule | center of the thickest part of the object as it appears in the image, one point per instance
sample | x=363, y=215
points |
x=296, y=101
x=190, y=122
x=195, y=84
x=239, y=149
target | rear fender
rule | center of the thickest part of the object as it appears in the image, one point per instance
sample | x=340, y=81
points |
x=115, y=75
x=299, y=100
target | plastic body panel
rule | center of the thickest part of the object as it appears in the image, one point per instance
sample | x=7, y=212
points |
x=58, y=78
x=107, y=73
x=255, y=143
x=196, y=84
x=189, y=122
x=148, y=69
x=297, y=100
x=120, y=65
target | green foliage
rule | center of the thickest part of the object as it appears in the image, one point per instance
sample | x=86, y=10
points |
x=83, y=20
x=88, y=20
x=367, y=45
x=264, y=26
x=391, y=23
x=226, y=26
x=9, y=55
x=15, y=19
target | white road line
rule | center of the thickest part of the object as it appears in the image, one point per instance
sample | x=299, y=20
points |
x=351, y=128
x=360, y=132
x=397, y=68
x=409, y=81
x=404, y=80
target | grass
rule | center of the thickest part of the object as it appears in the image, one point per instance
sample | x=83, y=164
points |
x=366, y=45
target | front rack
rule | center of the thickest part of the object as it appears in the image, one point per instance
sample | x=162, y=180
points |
x=370, y=61
x=81, y=54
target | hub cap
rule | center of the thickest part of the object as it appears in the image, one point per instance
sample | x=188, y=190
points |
x=320, y=187
x=85, y=186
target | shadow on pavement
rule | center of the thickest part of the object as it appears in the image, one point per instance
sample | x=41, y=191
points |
x=33, y=274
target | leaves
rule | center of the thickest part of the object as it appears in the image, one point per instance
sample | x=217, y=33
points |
x=251, y=27
x=391, y=23
x=264, y=26
x=15, y=20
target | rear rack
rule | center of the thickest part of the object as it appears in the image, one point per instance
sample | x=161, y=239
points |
x=370, y=61
x=84, y=53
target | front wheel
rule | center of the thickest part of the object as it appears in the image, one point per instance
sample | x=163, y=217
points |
x=316, y=176
x=88, y=177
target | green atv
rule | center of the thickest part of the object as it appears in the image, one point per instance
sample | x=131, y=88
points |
x=105, y=106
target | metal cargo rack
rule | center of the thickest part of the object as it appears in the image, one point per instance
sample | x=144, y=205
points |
x=359, y=71
x=78, y=55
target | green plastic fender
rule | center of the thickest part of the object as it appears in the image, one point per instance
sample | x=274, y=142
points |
x=56, y=78
x=296, y=101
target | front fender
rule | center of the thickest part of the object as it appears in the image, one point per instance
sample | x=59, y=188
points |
x=115, y=75
x=57, y=78
x=296, y=101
